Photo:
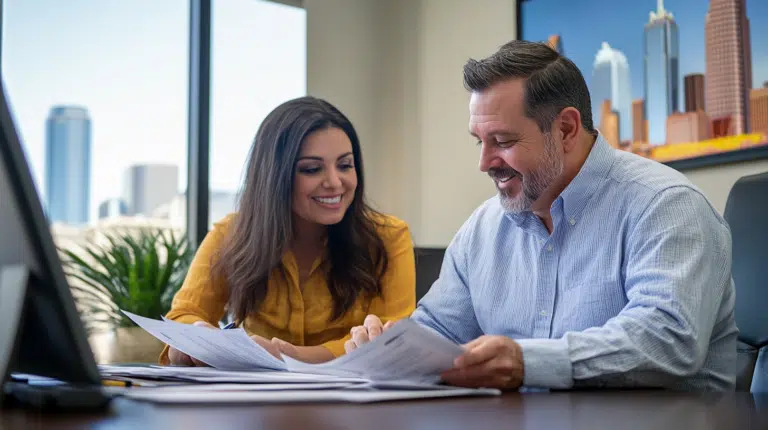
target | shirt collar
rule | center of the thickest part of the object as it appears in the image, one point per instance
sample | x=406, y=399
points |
x=576, y=195
x=592, y=173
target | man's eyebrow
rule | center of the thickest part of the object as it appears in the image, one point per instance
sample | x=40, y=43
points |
x=513, y=136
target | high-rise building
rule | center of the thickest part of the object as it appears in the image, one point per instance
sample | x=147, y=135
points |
x=556, y=42
x=728, y=64
x=610, y=81
x=68, y=164
x=112, y=208
x=694, y=92
x=662, y=72
x=148, y=186
x=610, y=123
x=687, y=127
x=639, y=123
x=758, y=110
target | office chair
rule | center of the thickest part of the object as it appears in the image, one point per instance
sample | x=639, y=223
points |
x=746, y=211
x=428, y=264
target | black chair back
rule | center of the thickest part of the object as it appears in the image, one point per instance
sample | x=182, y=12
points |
x=746, y=212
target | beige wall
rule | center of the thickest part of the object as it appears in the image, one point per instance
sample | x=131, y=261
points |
x=716, y=182
x=394, y=67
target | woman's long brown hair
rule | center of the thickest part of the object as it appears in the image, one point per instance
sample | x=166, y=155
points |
x=262, y=230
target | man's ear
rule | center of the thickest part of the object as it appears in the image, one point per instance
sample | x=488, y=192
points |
x=567, y=125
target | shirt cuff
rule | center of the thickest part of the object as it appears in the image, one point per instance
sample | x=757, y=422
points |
x=546, y=363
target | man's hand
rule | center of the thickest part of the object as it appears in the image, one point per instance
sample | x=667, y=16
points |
x=178, y=358
x=362, y=334
x=490, y=362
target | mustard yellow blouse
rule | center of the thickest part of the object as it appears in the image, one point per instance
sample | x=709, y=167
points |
x=298, y=315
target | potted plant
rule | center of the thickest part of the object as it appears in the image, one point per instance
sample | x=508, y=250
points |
x=138, y=271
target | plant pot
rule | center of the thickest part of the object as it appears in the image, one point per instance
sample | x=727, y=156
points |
x=125, y=345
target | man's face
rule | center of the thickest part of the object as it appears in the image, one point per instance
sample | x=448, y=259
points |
x=522, y=161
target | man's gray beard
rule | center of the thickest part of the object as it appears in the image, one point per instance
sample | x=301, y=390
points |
x=536, y=182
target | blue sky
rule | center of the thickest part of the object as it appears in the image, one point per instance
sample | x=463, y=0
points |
x=126, y=62
x=585, y=24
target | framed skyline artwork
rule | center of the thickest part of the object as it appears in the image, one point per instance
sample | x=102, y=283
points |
x=684, y=82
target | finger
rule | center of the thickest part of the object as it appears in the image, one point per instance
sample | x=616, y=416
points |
x=479, y=353
x=350, y=345
x=388, y=325
x=360, y=335
x=373, y=324
x=198, y=363
x=475, y=343
x=458, y=379
x=178, y=358
x=267, y=345
x=284, y=347
x=203, y=324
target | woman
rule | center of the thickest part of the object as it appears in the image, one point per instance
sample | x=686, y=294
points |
x=304, y=259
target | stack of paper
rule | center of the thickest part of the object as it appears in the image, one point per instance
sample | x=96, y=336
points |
x=404, y=362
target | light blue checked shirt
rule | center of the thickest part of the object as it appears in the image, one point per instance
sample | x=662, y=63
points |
x=632, y=288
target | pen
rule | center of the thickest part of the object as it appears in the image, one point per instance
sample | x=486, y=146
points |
x=230, y=325
x=117, y=383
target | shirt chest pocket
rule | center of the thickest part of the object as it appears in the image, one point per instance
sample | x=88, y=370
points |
x=590, y=303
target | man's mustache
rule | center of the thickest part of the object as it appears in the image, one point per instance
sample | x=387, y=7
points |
x=501, y=173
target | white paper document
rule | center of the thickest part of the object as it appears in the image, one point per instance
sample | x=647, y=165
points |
x=405, y=352
x=351, y=395
x=211, y=375
x=222, y=349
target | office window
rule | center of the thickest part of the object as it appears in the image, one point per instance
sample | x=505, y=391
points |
x=99, y=92
x=258, y=60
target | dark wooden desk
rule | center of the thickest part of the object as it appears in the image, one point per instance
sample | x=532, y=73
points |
x=568, y=410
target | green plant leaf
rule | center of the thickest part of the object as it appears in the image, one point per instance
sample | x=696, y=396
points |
x=138, y=271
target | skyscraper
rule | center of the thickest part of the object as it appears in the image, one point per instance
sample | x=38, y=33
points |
x=610, y=123
x=728, y=64
x=68, y=164
x=758, y=109
x=639, y=123
x=610, y=81
x=556, y=42
x=694, y=92
x=662, y=72
x=148, y=186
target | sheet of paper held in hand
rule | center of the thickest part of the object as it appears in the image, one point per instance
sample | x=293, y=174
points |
x=405, y=352
x=222, y=349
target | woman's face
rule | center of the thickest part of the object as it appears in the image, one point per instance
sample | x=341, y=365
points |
x=325, y=180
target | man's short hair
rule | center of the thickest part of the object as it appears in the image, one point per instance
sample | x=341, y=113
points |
x=553, y=82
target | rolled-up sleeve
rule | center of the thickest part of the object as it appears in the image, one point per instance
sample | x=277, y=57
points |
x=678, y=273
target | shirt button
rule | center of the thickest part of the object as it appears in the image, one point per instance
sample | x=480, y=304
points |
x=543, y=313
x=572, y=221
x=549, y=247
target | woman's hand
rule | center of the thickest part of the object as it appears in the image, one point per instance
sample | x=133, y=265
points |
x=178, y=358
x=307, y=354
x=271, y=347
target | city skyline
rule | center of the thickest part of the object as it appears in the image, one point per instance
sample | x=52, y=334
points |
x=126, y=61
x=621, y=25
x=720, y=67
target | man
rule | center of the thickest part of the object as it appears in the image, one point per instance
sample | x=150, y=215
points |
x=592, y=266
